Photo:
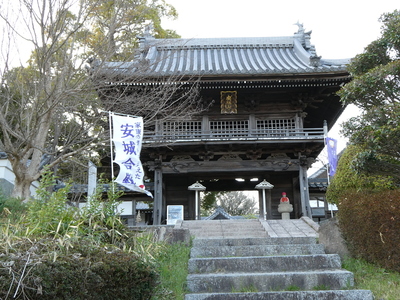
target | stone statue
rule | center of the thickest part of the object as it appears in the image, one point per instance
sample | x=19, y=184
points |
x=285, y=208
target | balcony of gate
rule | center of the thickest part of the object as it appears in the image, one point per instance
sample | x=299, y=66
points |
x=267, y=129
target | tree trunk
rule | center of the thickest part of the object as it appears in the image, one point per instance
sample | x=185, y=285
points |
x=22, y=189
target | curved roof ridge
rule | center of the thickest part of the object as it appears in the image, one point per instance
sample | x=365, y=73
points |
x=335, y=61
x=229, y=41
x=229, y=56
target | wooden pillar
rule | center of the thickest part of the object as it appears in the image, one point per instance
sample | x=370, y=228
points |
x=296, y=196
x=269, y=204
x=158, y=196
x=268, y=197
x=261, y=204
x=134, y=215
x=304, y=193
x=252, y=124
x=205, y=126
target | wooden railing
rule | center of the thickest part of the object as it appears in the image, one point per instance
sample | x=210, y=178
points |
x=214, y=130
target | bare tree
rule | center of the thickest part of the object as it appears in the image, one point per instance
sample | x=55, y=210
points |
x=49, y=107
x=42, y=112
x=237, y=203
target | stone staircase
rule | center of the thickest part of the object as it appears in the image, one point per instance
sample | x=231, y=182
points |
x=233, y=259
x=222, y=229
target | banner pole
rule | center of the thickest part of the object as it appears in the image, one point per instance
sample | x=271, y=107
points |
x=327, y=174
x=110, y=114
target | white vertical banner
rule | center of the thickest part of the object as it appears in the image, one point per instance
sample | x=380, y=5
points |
x=127, y=138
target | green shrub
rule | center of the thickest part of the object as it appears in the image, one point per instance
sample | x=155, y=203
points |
x=369, y=210
x=346, y=178
x=370, y=223
x=83, y=272
x=11, y=208
x=59, y=252
x=99, y=218
x=49, y=213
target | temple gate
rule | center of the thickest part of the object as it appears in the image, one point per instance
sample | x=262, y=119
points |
x=270, y=102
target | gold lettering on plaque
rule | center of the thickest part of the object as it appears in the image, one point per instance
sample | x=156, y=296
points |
x=229, y=102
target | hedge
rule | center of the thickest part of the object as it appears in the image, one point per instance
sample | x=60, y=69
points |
x=370, y=224
x=91, y=273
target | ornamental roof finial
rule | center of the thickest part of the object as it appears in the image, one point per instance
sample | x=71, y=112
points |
x=304, y=37
x=301, y=27
x=148, y=29
x=146, y=36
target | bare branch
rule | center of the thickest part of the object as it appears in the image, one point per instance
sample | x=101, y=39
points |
x=49, y=108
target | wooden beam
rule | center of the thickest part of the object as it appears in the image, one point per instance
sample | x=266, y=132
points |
x=176, y=167
x=158, y=196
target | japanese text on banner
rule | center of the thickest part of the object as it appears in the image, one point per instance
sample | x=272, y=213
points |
x=127, y=138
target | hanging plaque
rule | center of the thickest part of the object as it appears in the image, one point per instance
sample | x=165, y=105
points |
x=228, y=102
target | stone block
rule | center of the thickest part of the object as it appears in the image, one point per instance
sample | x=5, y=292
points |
x=331, y=237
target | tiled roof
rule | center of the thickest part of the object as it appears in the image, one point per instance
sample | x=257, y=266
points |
x=218, y=213
x=228, y=56
x=318, y=180
x=320, y=183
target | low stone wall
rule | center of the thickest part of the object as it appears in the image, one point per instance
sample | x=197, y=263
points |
x=167, y=233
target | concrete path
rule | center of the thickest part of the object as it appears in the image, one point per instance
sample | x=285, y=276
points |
x=291, y=228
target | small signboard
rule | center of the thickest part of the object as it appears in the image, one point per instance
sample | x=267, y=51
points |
x=174, y=213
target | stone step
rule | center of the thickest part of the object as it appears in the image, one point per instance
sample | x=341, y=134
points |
x=225, y=228
x=253, y=241
x=221, y=224
x=240, y=232
x=256, y=224
x=228, y=234
x=198, y=224
x=257, y=250
x=265, y=281
x=221, y=221
x=280, y=261
x=230, y=228
x=289, y=295
x=261, y=263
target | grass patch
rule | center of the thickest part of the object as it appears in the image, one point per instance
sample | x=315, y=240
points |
x=321, y=287
x=292, y=288
x=383, y=284
x=172, y=265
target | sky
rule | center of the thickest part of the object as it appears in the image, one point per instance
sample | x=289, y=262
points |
x=340, y=28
